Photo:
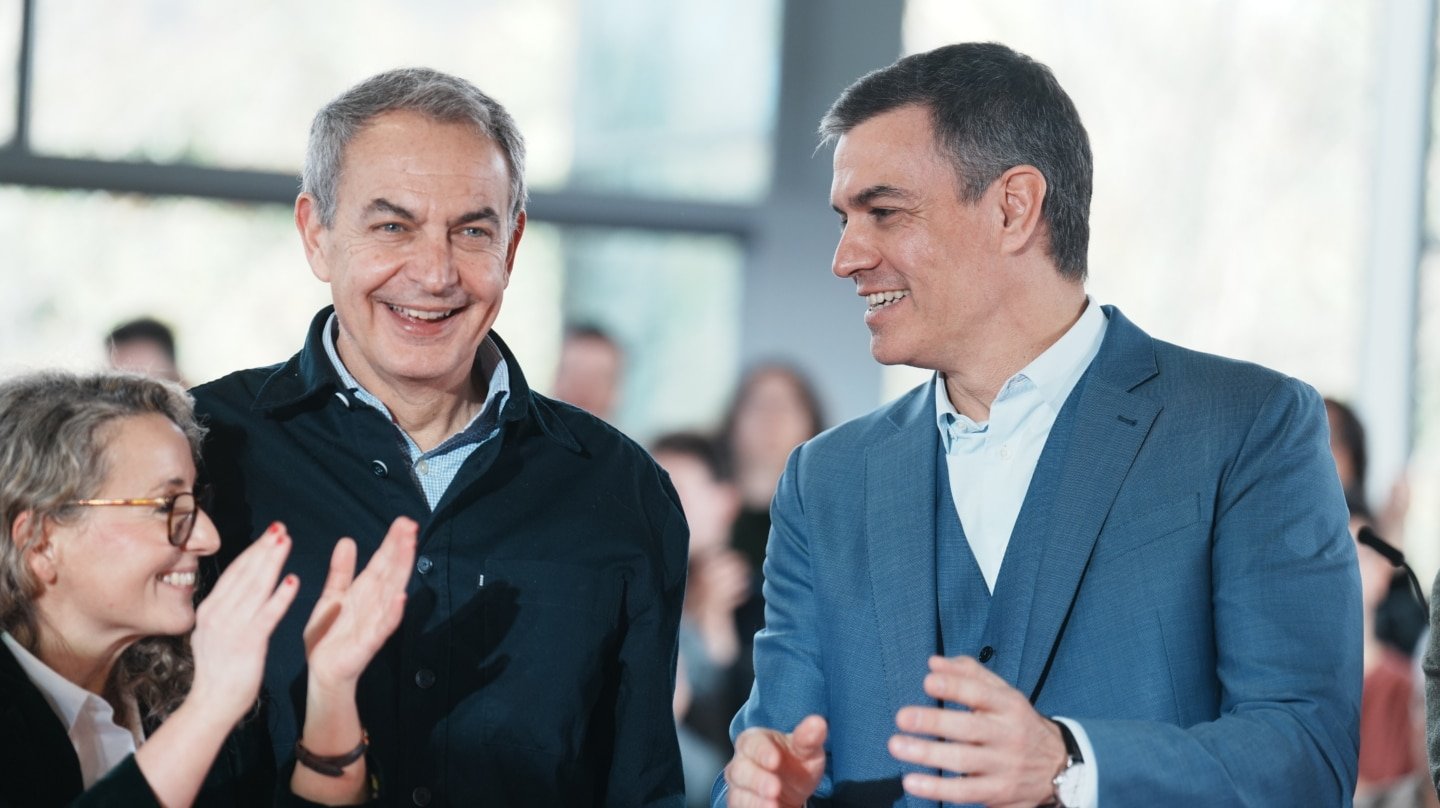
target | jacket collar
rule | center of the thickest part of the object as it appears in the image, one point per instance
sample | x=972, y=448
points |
x=309, y=377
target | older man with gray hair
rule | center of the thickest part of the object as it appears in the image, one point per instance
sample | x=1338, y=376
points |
x=535, y=663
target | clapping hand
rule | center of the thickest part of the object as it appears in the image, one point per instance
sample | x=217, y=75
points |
x=233, y=626
x=356, y=614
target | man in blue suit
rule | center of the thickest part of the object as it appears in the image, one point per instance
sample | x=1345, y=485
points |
x=1083, y=567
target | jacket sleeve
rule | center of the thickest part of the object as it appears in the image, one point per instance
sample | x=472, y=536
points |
x=645, y=768
x=789, y=683
x=1288, y=632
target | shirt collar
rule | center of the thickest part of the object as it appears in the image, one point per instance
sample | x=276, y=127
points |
x=1054, y=373
x=66, y=698
x=489, y=362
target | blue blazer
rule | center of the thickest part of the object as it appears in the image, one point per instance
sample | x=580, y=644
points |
x=1195, y=604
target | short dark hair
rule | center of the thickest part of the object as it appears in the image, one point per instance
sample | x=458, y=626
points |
x=591, y=331
x=696, y=445
x=992, y=109
x=146, y=329
x=1351, y=434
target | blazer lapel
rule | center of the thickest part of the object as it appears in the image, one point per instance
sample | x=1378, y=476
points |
x=1110, y=426
x=900, y=544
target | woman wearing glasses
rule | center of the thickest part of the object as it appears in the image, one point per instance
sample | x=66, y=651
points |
x=106, y=695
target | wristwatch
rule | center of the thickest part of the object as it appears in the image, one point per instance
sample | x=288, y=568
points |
x=1068, y=782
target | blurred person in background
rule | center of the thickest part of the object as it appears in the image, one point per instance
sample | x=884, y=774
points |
x=1389, y=756
x=143, y=346
x=589, y=373
x=775, y=409
x=709, y=687
x=535, y=661
x=1398, y=619
x=107, y=696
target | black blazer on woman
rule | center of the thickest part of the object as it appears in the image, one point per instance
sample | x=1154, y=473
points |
x=39, y=768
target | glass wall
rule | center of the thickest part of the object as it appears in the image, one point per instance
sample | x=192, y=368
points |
x=9, y=67
x=665, y=100
x=1232, y=142
x=625, y=97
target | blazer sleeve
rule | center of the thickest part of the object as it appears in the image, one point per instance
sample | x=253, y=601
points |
x=789, y=682
x=1288, y=632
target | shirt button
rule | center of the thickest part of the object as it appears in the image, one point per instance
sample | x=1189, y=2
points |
x=378, y=469
x=422, y=467
x=424, y=678
x=986, y=653
x=1005, y=452
x=420, y=796
x=423, y=564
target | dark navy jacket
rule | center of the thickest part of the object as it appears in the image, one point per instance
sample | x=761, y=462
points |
x=536, y=660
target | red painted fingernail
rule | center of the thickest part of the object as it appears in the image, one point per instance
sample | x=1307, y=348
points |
x=292, y=579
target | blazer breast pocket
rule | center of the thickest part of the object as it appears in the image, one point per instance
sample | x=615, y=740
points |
x=1137, y=530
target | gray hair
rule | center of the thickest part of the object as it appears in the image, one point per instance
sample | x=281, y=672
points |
x=54, y=432
x=992, y=109
x=438, y=96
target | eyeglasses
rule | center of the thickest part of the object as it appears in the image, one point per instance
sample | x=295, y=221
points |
x=179, y=509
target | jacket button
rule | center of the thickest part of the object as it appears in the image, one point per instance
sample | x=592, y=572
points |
x=379, y=468
x=423, y=564
x=424, y=678
x=420, y=796
x=986, y=653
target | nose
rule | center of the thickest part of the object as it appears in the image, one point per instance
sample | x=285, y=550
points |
x=432, y=265
x=853, y=254
x=204, y=538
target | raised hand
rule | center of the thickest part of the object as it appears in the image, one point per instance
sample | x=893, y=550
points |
x=355, y=615
x=233, y=626
x=1008, y=753
x=777, y=770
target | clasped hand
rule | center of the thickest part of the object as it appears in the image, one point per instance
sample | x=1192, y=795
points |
x=1007, y=753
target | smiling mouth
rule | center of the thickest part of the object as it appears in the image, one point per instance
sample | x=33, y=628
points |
x=422, y=315
x=179, y=578
x=880, y=300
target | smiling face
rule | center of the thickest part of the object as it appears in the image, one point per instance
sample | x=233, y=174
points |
x=419, y=254
x=111, y=576
x=924, y=260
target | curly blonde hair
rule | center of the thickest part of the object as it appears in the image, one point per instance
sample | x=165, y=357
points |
x=53, y=440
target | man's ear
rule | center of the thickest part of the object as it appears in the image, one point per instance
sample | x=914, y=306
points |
x=29, y=533
x=1022, y=192
x=307, y=221
x=515, y=235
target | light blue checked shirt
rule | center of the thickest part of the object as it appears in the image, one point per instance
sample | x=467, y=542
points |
x=991, y=464
x=434, y=470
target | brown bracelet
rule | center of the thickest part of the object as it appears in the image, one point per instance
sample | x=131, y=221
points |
x=334, y=765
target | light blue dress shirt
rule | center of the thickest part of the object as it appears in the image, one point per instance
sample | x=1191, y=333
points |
x=991, y=463
x=434, y=470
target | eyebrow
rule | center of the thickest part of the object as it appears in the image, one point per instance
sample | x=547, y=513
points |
x=486, y=214
x=867, y=196
x=383, y=205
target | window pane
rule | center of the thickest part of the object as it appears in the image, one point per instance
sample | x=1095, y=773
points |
x=233, y=282
x=658, y=100
x=230, y=279
x=10, y=19
x=1423, y=524
x=1231, y=181
x=673, y=304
